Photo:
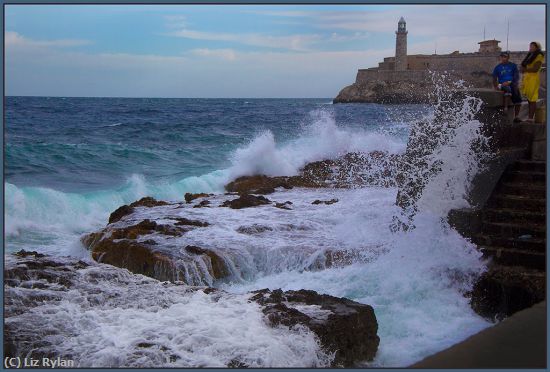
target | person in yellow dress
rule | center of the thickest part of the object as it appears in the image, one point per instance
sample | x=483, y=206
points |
x=530, y=67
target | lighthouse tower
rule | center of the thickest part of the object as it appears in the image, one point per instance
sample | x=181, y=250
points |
x=401, y=46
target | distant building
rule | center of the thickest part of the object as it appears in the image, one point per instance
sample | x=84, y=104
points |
x=481, y=61
x=380, y=84
x=401, y=45
x=489, y=46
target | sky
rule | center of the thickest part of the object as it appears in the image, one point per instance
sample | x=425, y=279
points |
x=222, y=51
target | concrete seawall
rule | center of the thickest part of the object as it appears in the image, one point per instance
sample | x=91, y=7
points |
x=517, y=342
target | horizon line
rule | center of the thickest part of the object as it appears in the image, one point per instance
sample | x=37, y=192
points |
x=33, y=96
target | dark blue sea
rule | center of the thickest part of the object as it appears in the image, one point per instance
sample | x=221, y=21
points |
x=92, y=154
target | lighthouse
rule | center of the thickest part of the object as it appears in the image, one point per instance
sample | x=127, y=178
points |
x=401, y=45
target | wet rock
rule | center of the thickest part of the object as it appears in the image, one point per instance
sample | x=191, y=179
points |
x=36, y=271
x=129, y=209
x=139, y=258
x=218, y=265
x=386, y=92
x=148, y=202
x=503, y=291
x=341, y=258
x=330, y=318
x=246, y=201
x=376, y=168
x=327, y=202
x=346, y=328
x=188, y=222
x=52, y=282
x=144, y=227
x=190, y=197
x=264, y=191
x=202, y=204
x=235, y=363
x=285, y=205
x=135, y=246
x=254, y=229
x=120, y=212
x=24, y=253
x=258, y=184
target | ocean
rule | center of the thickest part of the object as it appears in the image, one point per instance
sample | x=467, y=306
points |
x=70, y=162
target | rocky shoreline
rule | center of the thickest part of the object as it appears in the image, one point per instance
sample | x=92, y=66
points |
x=145, y=238
x=149, y=239
x=345, y=330
x=386, y=92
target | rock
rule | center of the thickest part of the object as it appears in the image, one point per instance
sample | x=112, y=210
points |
x=190, y=197
x=502, y=291
x=24, y=253
x=284, y=205
x=343, y=327
x=330, y=318
x=188, y=222
x=254, y=229
x=145, y=227
x=202, y=204
x=134, y=246
x=33, y=271
x=258, y=184
x=264, y=191
x=340, y=258
x=148, y=202
x=327, y=202
x=161, y=263
x=246, y=201
x=120, y=212
x=376, y=168
x=129, y=209
x=235, y=363
x=139, y=258
x=386, y=92
x=218, y=265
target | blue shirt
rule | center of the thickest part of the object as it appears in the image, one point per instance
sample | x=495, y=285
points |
x=506, y=72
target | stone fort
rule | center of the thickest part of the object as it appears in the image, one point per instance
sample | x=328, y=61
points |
x=474, y=68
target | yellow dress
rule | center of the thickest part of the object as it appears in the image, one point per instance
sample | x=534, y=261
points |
x=531, y=81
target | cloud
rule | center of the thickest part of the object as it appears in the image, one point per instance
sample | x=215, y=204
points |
x=287, y=13
x=14, y=39
x=199, y=73
x=338, y=37
x=290, y=42
x=224, y=54
x=440, y=23
x=176, y=21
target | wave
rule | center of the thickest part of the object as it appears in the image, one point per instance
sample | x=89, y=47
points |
x=322, y=139
x=110, y=125
x=111, y=318
x=47, y=211
x=50, y=212
x=415, y=280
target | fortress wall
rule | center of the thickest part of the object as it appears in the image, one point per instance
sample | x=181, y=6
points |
x=474, y=68
x=419, y=76
x=465, y=61
x=472, y=62
x=366, y=75
x=386, y=65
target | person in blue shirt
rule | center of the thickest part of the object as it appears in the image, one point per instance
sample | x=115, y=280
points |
x=506, y=79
